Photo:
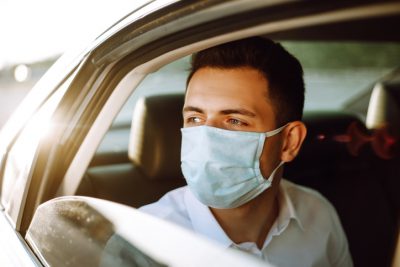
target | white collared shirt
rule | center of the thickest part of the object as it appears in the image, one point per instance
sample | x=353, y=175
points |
x=307, y=231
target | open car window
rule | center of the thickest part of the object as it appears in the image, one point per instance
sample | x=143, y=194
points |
x=139, y=161
x=339, y=76
x=335, y=73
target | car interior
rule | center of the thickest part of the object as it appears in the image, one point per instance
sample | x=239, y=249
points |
x=350, y=155
x=335, y=160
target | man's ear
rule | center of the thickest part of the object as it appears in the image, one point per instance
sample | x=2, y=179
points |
x=294, y=135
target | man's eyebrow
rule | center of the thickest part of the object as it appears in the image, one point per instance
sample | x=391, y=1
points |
x=191, y=108
x=238, y=111
x=225, y=111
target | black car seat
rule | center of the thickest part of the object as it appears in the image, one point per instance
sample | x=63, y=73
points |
x=336, y=161
x=154, y=149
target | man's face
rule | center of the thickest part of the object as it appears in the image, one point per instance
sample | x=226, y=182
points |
x=233, y=99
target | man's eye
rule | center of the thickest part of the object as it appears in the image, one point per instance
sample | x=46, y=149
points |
x=235, y=122
x=194, y=120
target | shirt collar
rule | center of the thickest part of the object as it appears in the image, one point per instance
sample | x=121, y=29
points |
x=203, y=221
x=287, y=210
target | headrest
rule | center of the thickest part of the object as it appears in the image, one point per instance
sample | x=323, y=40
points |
x=383, y=118
x=155, y=139
x=384, y=106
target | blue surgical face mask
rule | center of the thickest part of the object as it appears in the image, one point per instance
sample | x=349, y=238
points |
x=222, y=167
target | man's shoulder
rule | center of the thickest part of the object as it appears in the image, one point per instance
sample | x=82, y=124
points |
x=319, y=219
x=310, y=205
x=303, y=193
x=170, y=207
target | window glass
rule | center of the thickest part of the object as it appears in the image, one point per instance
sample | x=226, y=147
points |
x=80, y=231
x=336, y=72
x=73, y=233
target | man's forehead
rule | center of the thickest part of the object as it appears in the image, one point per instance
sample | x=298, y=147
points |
x=239, y=84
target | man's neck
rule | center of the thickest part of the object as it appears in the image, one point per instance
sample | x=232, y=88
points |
x=252, y=221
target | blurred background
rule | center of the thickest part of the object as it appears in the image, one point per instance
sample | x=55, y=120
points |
x=34, y=34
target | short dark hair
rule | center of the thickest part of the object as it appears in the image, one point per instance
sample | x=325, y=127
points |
x=281, y=69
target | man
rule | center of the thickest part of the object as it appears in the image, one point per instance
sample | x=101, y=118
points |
x=242, y=122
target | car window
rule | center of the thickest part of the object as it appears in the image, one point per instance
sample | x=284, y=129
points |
x=138, y=160
x=72, y=233
x=334, y=73
x=169, y=79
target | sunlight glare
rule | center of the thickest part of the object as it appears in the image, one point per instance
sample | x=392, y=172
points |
x=35, y=30
x=23, y=152
x=22, y=73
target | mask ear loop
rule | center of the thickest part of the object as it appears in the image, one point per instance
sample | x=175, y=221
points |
x=276, y=131
x=271, y=177
x=269, y=134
